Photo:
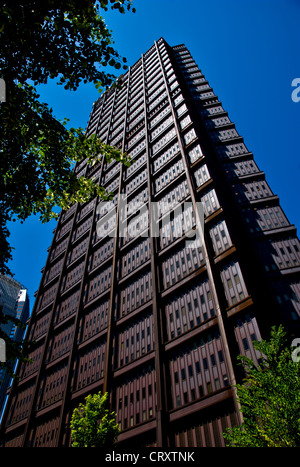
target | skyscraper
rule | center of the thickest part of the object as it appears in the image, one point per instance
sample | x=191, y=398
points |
x=14, y=302
x=132, y=299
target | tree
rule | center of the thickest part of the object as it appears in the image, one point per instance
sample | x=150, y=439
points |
x=66, y=40
x=92, y=425
x=269, y=397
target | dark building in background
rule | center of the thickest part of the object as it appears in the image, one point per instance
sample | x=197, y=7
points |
x=138, y=314
x=14, y=302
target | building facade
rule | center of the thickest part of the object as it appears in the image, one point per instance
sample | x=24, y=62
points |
x=14, y=302
x=152, y=296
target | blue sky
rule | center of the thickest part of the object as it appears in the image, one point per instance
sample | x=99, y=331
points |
x=249, y=51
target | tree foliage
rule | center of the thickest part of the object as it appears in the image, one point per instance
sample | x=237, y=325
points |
x=92, y=425
x=66, y=40
x=269, y=397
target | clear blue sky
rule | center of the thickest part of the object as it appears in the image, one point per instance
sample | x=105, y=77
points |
x=249, y=51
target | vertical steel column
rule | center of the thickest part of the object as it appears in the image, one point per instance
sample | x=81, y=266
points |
x=50, y=328
x=161, y=432
x=67, y=390
x=231, y=374
x=114, y=289
x=14, y=385
x=65, y=406
x=48, y=334
x=71, y=354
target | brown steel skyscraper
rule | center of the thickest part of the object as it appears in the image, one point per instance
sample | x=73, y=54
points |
x=124, y=305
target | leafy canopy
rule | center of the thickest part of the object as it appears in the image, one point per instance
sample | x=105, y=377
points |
x=67, y=40
x=269, y=397
x=92, y=425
